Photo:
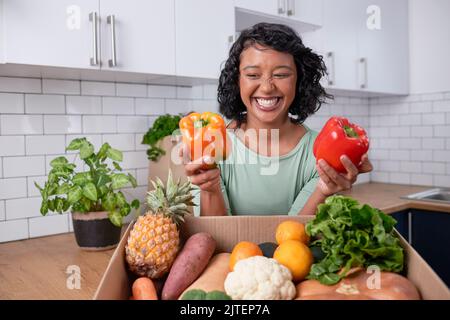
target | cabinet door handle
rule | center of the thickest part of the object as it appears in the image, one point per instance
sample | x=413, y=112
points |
x=290, y=7
x=94, y=19
x=230, y=42
x=111, y=20
x=332, y=72
x=281, y=6
x=363, y=73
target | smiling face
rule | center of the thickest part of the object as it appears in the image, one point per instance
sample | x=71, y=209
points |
x=267, y=81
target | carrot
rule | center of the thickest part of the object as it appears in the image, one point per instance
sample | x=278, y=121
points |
x=144, y=289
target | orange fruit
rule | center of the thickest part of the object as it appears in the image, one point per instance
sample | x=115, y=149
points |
x=243, y=250
x=291, y=230
x=296, y=256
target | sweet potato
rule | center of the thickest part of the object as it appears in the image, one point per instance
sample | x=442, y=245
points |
x=189, y=264
x=144, y=289
x=213, y=277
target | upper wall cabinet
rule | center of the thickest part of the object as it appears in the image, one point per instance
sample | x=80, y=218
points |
x=133, y=36
x=51, y=32
x=337, y=42
x=138, y=36
x=271, y=7
x=365, y=45
x=204, y=34
x=383, y=47
x=308, y=11
x=303, y=15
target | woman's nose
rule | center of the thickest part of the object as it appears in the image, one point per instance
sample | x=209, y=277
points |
x=267, y=84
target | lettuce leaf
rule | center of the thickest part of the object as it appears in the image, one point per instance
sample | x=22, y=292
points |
x=352, y=235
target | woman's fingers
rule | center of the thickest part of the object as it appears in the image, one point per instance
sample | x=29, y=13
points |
x=215, y=182
x=352, y=170
x=366, y=165
x=184, y=154
x=205, y=176
x=334, y=176
x=326, y=178
x=193, y=167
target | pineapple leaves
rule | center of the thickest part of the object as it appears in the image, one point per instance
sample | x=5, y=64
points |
x=172, y=200
x=93, y=190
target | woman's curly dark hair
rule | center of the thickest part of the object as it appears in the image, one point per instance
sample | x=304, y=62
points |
x=310, y=69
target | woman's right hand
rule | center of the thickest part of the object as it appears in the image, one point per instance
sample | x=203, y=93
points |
x=206, y=180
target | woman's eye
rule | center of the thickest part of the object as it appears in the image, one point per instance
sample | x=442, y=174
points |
x=281, y=75
x=252, y=76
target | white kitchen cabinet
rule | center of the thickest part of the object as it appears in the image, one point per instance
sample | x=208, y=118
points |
x=79, y=34
x=144, y=39
x=271, y=7
x=50, y=32
x=359, y=56
x=336, y=41
x=287, y=11
x=340, y=43
x=308, y=11
x=383, y=46
x=204, y=34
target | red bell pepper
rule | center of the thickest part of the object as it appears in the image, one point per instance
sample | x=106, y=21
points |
x=205, y=135
x=340, y=137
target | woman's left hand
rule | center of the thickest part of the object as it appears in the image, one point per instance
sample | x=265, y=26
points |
x=332, y=181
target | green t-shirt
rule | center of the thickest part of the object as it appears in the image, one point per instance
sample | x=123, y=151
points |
x=253, y=184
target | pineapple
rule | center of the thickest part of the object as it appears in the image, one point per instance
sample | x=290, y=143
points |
x=153, y=242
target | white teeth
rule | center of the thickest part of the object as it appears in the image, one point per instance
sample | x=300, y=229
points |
x=267, y=102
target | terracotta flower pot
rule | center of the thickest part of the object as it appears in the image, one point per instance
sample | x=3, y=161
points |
x=94, y=231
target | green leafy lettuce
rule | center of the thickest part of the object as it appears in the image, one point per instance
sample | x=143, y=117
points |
x=352, y=235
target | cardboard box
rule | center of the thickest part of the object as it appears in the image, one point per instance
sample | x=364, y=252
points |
x=227, y=231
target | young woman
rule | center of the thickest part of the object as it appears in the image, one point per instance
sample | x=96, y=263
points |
x=269, y=85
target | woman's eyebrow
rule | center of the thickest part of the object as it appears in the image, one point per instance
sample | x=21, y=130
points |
x=284, y=67
x=278, y=67
x=250, y=67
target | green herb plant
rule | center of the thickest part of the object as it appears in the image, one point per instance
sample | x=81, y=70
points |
x=352, y=235
x=96, y=189
x=163, y=126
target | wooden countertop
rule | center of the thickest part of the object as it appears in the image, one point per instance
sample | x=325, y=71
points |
x=386, y=197
x=36, y=268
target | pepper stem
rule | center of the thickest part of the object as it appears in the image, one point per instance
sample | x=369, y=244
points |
x=200, y=123
x=350, y=132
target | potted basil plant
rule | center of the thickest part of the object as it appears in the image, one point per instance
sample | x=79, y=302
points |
x=93, y=196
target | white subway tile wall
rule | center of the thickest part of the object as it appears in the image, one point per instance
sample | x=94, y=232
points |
x=60, y=86
x=39, y=118
x=2, y=210
x=410, y=137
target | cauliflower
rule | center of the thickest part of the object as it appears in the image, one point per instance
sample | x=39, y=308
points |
x=259, y=278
